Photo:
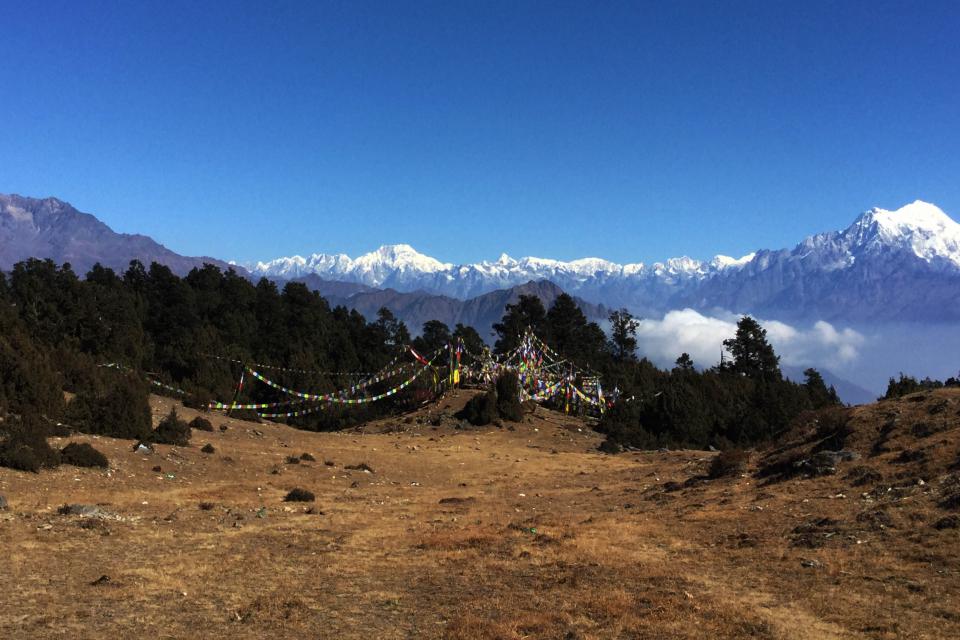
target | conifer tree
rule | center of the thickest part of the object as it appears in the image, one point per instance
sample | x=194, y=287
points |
x=752, y=354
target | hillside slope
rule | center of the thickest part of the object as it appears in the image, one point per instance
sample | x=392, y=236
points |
x=519, y=532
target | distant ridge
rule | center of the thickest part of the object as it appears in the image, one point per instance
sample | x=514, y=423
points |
x=50, y=228
x=480, y=312
x=887, y=265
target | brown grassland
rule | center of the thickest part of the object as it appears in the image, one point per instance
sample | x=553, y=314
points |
x=524, y=531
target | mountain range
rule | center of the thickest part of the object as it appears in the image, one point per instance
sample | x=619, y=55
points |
x=901, y=265
x=895, y=275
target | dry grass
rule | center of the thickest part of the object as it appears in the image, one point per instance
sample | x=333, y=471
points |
x=484, y=534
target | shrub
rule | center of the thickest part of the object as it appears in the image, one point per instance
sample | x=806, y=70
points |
x=293, y=460
x=81, y=454
x=299, y=495
x=16, y=455
x=728, y=463
x=23, y=445
x=208, y=448
x=122, y=411
x=833, y=429
x=508, y=397
x=306, y=457
x=201, y=424
x=480, y=409
x=172, y=430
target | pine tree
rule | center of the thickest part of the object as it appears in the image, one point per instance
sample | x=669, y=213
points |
x=684, y=363
x=623, y=341
x=752, y=354
x=435, y=335
x=527, y=313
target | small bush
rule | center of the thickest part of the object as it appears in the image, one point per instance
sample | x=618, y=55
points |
x=833, y=429
x=19, y=456
x=23, y=445
x=508, y=397
x=81, y=454
x=201, y=424
x=208, y=448
x=122, y=411
x=480, y=410
x=729, y=463
x=293, y=460
x=299, y=495
x=172, y=430
x=306, y=457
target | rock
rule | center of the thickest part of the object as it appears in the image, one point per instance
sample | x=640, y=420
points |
x=84, y=511
x=143, y=447
x=363, y=466
x=102, y=580
x=3, y=503
x=811, y=564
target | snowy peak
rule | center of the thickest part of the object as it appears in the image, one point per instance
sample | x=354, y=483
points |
x=915, y=238
x=399, y=256
x=920, y=228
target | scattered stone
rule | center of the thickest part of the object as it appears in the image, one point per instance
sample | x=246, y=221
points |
x=811, y=564
x=363, y=466
x=84, y=511
x=143, y=447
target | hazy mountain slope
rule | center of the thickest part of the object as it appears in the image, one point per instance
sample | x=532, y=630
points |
x=480, y=312
x=51, y=228
x=849, y=392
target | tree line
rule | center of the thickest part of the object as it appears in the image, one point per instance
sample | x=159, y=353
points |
x=58, y=329
x=741, y=401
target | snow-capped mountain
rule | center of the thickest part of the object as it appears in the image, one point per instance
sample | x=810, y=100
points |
x=902, y=264
x=401, y=267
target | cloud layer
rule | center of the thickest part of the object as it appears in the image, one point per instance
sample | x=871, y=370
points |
x=702, y=337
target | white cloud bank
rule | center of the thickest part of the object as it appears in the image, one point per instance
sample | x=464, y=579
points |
x=702, y=337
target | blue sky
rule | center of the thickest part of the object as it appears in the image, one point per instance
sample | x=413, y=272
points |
x=631, y=131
